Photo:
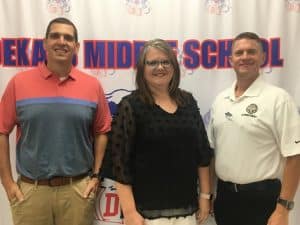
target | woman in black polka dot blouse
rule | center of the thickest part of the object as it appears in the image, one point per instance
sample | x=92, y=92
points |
x=159, y=146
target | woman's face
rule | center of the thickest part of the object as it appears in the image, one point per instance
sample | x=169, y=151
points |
x=158, y=69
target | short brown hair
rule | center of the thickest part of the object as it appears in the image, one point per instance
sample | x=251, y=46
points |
x=63, y=21
x=248, y=35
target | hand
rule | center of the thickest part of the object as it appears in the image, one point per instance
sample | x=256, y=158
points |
x=211, y=211
x=204, y=210
x=279, y=217
x=133, y=218
x=13, y=191
x=92, y=186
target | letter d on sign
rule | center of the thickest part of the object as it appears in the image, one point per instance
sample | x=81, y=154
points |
x=112, y=204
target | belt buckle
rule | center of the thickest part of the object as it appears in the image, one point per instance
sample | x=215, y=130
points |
x=235, y=186
x=54, y=181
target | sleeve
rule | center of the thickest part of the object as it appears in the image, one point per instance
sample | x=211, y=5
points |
x=122, y=142
x=205, y=153
x=8, y=114
x=287, y=120
x=106, y=166
x=210, y=129
x=102, y=122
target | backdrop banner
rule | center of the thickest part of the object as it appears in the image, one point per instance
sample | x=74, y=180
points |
x=111, y=33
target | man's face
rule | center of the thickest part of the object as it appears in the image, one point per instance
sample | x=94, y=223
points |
x=247, y=57
x=60, y=44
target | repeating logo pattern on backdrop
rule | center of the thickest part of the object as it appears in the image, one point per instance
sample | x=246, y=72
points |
x=59, y=7
x=138, y=7
x=293, y=5
x=218, y=7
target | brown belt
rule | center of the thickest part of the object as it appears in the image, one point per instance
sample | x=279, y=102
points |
x=54, y=181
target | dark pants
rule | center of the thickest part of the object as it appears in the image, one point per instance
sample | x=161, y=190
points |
x=246, y=205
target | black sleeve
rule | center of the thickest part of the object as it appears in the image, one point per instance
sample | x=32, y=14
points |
x=106, y=167
x=121, y=142
x=205, y=153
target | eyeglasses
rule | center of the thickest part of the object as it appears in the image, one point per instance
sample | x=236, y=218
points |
x=155, y=63
x=56, y=36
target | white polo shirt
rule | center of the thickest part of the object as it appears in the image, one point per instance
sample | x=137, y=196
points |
x=252, y=134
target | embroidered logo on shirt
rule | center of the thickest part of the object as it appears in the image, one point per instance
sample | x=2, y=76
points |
x=251, y=110
x=228, y=116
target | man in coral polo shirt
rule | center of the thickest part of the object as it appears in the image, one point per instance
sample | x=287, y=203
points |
x=62, y=118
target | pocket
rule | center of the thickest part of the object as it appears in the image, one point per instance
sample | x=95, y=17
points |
x=26, y=189
x=80, y=186
x=13, y=201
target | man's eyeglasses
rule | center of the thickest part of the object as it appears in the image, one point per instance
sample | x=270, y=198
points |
x=56, y=36
x=155, y=63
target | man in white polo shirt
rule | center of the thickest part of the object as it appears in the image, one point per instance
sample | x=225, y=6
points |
x=255, y=132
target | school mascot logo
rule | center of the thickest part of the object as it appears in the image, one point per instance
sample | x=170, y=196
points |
x=114, y=97
x=59, y=7
x=137, y=7
x=293, y=5
x=218, y=7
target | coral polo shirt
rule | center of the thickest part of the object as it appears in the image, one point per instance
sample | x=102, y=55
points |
x=56, y=121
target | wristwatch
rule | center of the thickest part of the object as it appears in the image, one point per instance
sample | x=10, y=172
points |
x=95, y=175
x=289, y=205
x=206, y=196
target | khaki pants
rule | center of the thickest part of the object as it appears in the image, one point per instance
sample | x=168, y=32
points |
x=188, y=220
x=62, y=205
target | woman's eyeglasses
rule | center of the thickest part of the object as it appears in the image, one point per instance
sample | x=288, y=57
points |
x=155, y=63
